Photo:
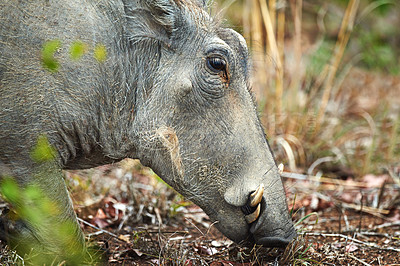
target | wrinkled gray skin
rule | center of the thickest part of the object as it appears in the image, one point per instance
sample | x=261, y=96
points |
x=155, y=98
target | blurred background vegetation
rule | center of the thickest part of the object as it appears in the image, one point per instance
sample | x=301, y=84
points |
x=326, y=78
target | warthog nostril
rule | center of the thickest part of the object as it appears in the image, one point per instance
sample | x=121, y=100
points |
x=252, y=208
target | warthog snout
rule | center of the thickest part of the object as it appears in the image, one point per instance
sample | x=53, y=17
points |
x=266, y=227
x=255, y=206
x=264, y=211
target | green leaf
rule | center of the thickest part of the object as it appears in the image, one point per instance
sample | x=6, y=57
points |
x=10, y=190
x=100, y=53
x=33, y=193
x=48, y=60
x=77, y=50
x=306, y=217
x=43, y=151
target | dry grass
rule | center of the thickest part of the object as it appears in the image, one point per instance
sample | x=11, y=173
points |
x=327, y=111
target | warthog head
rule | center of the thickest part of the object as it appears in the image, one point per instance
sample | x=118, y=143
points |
x=196, y=121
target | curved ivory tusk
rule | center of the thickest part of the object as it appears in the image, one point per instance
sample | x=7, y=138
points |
x=256, y=196
x=253, y=216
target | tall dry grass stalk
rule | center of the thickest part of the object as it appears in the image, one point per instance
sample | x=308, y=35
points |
x=294, y=87
x=273, y=48
x=281, y=32
x=272, y=13
x=343, y=38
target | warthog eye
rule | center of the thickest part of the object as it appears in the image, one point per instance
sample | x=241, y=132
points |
x=216, y=64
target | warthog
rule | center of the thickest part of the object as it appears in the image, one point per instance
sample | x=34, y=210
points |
x=171, y=89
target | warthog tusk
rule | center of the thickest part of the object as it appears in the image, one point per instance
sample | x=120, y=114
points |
x=256, y=196
x=252, y=208
x=253, y=216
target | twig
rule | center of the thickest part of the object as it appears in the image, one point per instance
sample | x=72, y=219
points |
x=367, y=233
x=169, y=232
x=370, y=210
x=211, y=225
x=357, y=259
x=97, y=228
x=345, y=218
x=325, y=180
x=373, y=211
x=361, y=213
x=354, y=240
x=194, y=226
x=362, y=233
x=386, y=225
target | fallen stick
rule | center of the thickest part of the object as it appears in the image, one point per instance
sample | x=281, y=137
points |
x=386, y=225
x=357, y=259
x=370, y=210
x=97, y=228
x=324, y=180
x=354, y=240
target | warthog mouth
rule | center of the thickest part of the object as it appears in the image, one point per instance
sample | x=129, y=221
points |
x=252, y=208
x=252, y=211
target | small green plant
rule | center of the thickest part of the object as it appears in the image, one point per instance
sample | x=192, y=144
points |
x=306, y=217
x=296, y=253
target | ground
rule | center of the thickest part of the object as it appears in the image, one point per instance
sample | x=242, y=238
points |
x=173, y=231
x=131, y=217
x=178, y=233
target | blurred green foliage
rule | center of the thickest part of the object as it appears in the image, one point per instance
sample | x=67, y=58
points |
x=48, y=60
x=36, y=210
x=377, y=53
x=100, y=53
x=43, y=151
x=31, y=205
x=376, y=38
x=77, y=50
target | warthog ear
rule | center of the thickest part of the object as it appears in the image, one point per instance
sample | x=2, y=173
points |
x=150, y=19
